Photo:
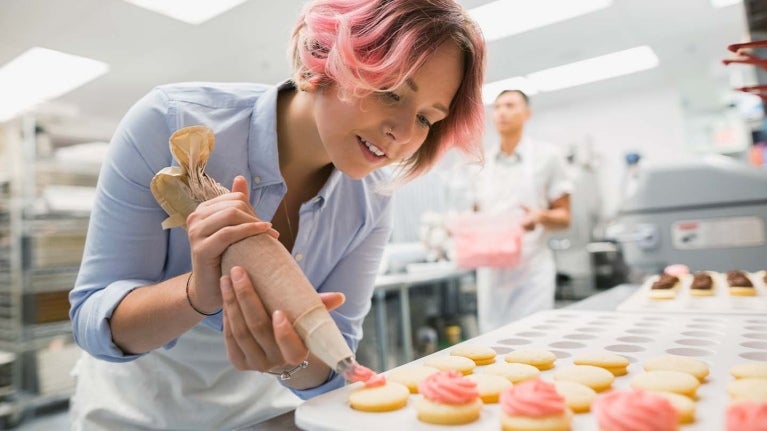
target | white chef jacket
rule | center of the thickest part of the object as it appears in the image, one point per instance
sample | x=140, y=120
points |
x=533, y=176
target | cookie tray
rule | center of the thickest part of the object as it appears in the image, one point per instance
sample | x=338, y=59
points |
x=720, y=302
x=719, y=340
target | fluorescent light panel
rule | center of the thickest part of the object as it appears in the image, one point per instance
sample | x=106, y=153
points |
x=724, y=3
x=41, y=74
x=581, y=72
x=189, y=11
x=503, y=18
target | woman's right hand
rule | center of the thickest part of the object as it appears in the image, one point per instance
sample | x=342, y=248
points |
x=212, y=228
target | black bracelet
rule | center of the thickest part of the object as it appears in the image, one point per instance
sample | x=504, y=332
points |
x=189, y=300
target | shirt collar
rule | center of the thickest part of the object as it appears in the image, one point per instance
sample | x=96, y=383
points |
x=263, y=157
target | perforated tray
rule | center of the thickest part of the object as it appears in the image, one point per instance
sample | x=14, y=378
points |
x=720, y=340
x=720, y=302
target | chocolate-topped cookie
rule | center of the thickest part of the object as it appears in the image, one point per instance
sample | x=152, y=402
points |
x=702, y=284
x=665, y=281
x=738, y=278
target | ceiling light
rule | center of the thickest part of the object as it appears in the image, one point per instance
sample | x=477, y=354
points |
x=41, y=74
x=724, y=3
x=189, y=11
x=491, y=90
x=595, y=69
x=503, y=18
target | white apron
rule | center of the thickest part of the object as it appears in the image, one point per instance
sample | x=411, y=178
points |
x=508, y=294
x=189, y=387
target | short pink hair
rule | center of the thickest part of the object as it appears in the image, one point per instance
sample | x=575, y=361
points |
x=368, y=46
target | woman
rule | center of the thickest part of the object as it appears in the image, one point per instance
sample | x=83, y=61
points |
x=375, y=83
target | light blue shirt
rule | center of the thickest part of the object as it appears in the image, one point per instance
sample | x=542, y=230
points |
x=340, y=240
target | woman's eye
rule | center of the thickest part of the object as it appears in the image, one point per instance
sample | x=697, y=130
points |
x=393, y=96
x=424, y=121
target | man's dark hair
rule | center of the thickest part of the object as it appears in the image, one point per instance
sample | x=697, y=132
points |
x=520, y=92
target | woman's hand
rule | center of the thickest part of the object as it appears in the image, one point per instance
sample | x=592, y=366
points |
x=254, y=339
x=212, y=228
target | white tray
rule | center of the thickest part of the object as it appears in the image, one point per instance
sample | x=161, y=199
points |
x=720, y=302
x=721, y=341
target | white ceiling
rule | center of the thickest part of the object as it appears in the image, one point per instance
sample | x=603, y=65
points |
x=249, y=42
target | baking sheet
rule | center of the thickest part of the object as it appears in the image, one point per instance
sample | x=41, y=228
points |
x=720, y=340
x=720, y=302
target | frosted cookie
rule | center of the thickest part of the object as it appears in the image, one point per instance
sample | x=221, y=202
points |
x=665, y=287
x=740, y=284
x=387, y=397
x=746, y=416
x=448, y=398
x=667, y=381
x=539, y=358
x=481, y=355
x=410, y=375
x=616, y=364
x=697, y=368
x=677, y=270
x=702, y=284
x=448, y=362
x=746, y=370
x=534, y=405
x=684, y=406
x=489, y=386
x=748, y=389
x=596, y=378
x=631, y=410
x=516, y=373
x=578, y=397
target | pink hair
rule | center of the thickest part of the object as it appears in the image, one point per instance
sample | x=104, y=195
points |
x=368, y=46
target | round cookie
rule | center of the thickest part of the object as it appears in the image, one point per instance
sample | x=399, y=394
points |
x=489, y=386
x=410, y=375
x=616, y=364
x=539, y=358
x=748, y=389
x=481, y=355
x=578, y=397
x=534, y=405
x=596, y=378
x=668, y=381
x=516, y=373
x=684, y=406
x=448, y=398
x=390, y=396
x=746, y=370
x=697, y=368
x=448, y=362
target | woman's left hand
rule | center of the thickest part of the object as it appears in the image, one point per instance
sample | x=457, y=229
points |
x=254, y=339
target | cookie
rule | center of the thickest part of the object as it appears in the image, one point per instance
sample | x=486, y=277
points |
x=534, y=405
x=578, y=397
x=448, y=398
x=665, y=286
x=596, y=378
x=697, y=368
x=539, y=358
x=489, y=386
x=667, y=381
x=748, y=389
x=388, y=397
x=634, y=409
x=616, y=364
x=740, y=283
x=481, y=355
x=756, y=370
x=449, y=362
x=410, y=375
x=703, y=284
x=684, y=406
x=516, y=373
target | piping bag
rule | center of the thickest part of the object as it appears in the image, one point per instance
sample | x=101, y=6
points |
x=276, y=277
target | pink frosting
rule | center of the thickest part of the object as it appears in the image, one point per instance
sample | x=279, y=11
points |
x=634, y=410
x=677, y=270
x=747, y=416
x=361, y=373
x=448, y=387
x=534, y=398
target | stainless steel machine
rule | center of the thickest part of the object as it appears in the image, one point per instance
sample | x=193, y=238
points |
x=707, y=213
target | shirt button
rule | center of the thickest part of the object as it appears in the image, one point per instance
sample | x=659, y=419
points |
x=257, y=180
x=299, y=257
x=317, y=199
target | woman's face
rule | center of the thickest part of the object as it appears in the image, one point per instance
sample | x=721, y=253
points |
x=362, y=135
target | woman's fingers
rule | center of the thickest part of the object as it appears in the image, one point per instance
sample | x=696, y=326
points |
x=292, y=347
x=332, y=300
x=252, y=354
x=233, y=351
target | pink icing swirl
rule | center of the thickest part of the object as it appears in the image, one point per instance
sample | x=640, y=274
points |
x=534, y=398
x=361, y=373
x=747, y=416
x=677, y=270
x=634, y=410
x=448, y=387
